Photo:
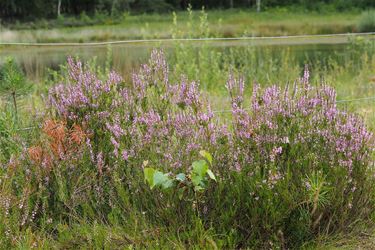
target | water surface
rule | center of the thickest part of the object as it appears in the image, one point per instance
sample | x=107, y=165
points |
x=36, y=60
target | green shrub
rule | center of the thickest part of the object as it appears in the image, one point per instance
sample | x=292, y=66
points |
x=12, y=82
x=367, y=21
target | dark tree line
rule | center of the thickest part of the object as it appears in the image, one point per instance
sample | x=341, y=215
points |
x=33, y=9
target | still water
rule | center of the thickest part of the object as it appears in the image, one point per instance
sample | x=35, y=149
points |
x=36, y=60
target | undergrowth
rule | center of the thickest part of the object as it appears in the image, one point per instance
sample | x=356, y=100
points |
x=114, y=163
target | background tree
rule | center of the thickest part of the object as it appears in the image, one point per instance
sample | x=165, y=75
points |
x=26, y=10
x=58, y=8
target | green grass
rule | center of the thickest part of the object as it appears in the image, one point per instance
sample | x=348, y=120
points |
x=222, y=23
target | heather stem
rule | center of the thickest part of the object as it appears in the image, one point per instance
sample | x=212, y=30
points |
x=14, y=101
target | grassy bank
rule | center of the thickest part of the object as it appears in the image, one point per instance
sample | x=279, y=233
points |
x=222, y=23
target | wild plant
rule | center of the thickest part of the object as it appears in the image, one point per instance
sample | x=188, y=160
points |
x=196, y=180
x=167, y=124
x=297, y=139
x=288, y=168
x=13, y=82
x=152, y=115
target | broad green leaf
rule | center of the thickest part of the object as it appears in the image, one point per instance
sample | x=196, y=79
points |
x=149, y=176
x=159, y=178
x=200, y=167
x=162, y=180
x=167, y=184
x=181, y=177
x=206, y=155
x=212, y=176
x=198, y=188
x=196, y=179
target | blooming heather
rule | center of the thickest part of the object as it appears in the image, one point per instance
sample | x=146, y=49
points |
x=150, y=117
x=168, y=122
x=301, y=126
x=289, y=166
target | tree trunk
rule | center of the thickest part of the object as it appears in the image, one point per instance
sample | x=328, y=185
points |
x=113, y=8
x=258, y=5
x=59, y=8
x=231, y=4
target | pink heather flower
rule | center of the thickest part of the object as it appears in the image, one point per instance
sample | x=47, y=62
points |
x=306, y=76
x=275, y=151
x=89, y=146
x=278, y=150
x=274, y=178
x=100, y=162
x=116, y=129
x=125, y=155
x=285, y=140
x=308, y=185
x=116, y=146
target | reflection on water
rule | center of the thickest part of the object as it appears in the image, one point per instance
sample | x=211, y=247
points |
x=36, y=60
x=126, y=57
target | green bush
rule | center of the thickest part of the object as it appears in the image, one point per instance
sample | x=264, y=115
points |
x=367, y=21
x=13, y=83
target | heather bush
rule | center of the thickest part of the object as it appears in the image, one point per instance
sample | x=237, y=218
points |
x=289, y=167
x=127, y=123
x=304, y=156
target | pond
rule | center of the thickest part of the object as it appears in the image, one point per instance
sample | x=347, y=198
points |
x=36, y=60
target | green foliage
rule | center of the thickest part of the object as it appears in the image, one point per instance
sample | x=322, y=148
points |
x=157, y=179
x=12, y=78
x=148, y=6
x=197, y=179
x=12, y=81
x=8, y=128
x=198, y=174
x=46, y=9
x=366, y=22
